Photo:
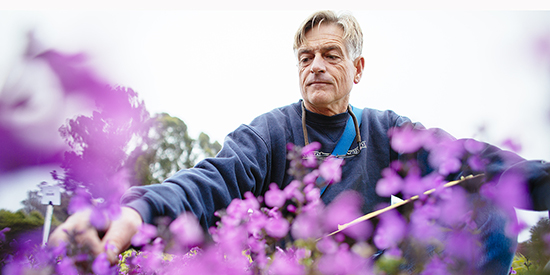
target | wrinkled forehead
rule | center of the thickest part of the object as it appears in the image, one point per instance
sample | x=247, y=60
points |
x=323, y=36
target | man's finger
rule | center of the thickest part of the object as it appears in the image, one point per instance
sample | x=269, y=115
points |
x=78, y=222
x=120, y=233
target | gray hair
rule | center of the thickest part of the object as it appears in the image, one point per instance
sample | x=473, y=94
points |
x=353, y=36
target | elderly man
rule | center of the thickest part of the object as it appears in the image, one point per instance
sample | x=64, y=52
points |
x=328, y=48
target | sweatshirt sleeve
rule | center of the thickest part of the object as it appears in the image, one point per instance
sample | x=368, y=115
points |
x=500, y=164
x=212, y=184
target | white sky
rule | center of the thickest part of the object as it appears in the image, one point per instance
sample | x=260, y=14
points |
x=457, y=70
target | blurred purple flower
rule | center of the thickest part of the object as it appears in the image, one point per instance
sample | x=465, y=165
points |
x=435, y=267
x=473, y=146
x=390, y=183
x=511, y=191
x=101, y=265
x=81, y=200
x=99, y=219
x=327, y=246
x=145, y=234
x=463, y=244
x=406, y=139
x=308, y=154
x=306, y=225
x=345, y=208
x=423, y=224
x=313, y=194
x=390, y=230
x=66, y=266
x=477, y=163
x=311, y=177
x=292, y=192
x=274, y=197
x=277, y=227
x=256, y=223
x=512, y=145
x=455, y=209
x=187, y=230
x=446, y=156
x=331, y=170
x=345, y=261
x=286, y=263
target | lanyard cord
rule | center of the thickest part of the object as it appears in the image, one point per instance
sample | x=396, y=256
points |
x=304, y=128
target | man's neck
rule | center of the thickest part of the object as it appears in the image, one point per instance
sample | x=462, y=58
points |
x=327, y=110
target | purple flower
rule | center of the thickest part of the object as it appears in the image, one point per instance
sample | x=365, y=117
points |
x=390, y=183
x=446, y=156
x=187, y=230
x=454, y=207
x=277, y=227
x=331, y=170
x=511, y=191
x=146, y=232
x=463, y=245
x=311, y=177
x=66, y=266
x=327, y=246
x=256, y=223
x=274, y=197
x=473, y=146
x=292, y=192
x=344, y=209
x=476, y=163
x=512, y=145
x=306, y=225
x=422, y=222
x=101, y=265
x=286, y=263
x=313, y=194
x=308, y=154
x=405, y=139
x=343, y=262
x=390, y=231
x=435, y=267
x=99, y=219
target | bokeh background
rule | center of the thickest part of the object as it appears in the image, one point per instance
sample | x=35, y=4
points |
x=481, y=74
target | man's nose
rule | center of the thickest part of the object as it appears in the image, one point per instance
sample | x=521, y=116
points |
x=318, y=65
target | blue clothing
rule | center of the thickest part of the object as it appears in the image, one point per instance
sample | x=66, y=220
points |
x=254, y=156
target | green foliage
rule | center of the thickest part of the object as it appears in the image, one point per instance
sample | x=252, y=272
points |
x=209, y=149
x=166, y=149
x=20, y=224
x=535, y=249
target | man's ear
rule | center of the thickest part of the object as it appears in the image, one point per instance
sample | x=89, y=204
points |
x=359, y=64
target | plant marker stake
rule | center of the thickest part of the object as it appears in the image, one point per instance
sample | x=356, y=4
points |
x=373, y=214
x=51, y=196
x=47, y=224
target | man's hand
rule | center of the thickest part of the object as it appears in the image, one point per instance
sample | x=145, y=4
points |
x=118, y=235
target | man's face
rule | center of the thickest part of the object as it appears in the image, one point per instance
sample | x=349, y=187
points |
x=326, y=72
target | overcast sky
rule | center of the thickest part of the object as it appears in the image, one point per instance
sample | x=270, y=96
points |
x=456, y=70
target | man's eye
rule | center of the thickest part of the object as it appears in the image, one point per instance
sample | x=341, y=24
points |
x=305, y=60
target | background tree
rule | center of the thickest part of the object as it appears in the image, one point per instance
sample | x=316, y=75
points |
x=33, y=202
x=208, y=148
x=535, y=248
x=166, y=149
